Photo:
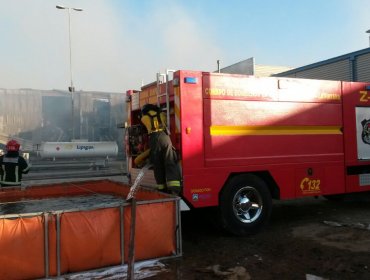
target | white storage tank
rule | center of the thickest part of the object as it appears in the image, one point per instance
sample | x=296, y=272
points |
x=78, y=149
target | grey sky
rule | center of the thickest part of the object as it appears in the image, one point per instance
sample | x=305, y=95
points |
x=117, y=45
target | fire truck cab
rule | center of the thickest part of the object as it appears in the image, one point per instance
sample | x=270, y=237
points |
x=244, y=140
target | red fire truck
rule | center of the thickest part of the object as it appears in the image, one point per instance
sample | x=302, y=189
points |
x=246, y=140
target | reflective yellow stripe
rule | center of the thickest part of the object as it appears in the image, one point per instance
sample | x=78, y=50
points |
x=160, y=187
x=173, y=183
x=177, y=109
x=217, y=130
x=10, y=183
x=16, y=174
x=28, y=168
x=156, y=130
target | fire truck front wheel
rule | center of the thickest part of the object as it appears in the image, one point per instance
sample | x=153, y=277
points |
x=245, y=204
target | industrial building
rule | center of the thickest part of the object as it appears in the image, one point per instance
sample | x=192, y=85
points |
x=354, y=67
x=35, y=116
x=249, y=67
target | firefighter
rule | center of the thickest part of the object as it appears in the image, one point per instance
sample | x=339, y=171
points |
x=12, y=165
x=161, y=153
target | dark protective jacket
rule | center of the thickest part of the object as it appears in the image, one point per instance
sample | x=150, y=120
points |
x=12, y=166
x=165, y=163
x=162, y=154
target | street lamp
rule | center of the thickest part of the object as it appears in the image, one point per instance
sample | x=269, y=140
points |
x=369, y=35
x=71, y=88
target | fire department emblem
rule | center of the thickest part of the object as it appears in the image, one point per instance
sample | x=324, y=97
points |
x=365, y=135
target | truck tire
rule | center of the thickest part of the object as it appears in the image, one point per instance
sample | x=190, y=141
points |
x=245, y=205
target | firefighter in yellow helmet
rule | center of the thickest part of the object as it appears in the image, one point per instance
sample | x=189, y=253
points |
x=162, y=154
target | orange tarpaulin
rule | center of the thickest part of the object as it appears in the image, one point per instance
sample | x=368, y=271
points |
x=21, y=248
x=155, y=230
x=89, y=239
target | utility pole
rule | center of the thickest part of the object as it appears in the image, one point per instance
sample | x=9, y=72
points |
x=71, y=87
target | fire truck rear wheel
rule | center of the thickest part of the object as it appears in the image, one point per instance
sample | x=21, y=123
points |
x=245, y=205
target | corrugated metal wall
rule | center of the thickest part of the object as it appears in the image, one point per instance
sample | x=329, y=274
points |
x=340, y=70
x=35, y=116
x=245, y=67
x=363, y=67
x=354, y=67
x=19, y=110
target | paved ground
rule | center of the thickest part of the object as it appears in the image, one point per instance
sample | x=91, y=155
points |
x=305, y=238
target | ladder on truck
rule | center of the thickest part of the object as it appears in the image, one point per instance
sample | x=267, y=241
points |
x=163, y=78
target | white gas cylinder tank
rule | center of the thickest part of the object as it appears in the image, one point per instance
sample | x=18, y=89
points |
x=78, y=149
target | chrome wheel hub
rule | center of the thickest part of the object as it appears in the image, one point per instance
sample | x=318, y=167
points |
x=247, y=204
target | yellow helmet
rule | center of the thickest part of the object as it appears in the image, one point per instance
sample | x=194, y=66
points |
x=153, y=118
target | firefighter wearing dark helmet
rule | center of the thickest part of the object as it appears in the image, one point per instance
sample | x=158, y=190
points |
x=12, y=165
x=162, y=154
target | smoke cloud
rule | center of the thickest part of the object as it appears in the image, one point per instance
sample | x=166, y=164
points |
x=118, y=45
x=114, y=48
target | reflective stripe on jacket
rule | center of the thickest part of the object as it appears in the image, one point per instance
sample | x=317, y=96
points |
x=11, y=169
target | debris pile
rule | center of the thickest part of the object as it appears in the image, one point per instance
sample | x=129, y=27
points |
x=351, y=225
x=234, y=273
